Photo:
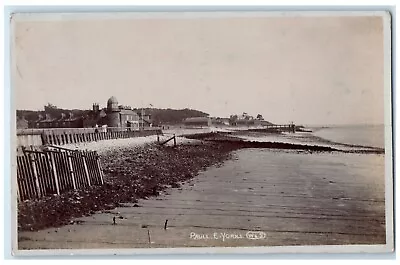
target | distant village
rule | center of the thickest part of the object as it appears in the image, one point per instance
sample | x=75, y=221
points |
x=116, y=115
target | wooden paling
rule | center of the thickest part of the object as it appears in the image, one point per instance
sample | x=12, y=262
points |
x=73, y=136
x=56, y=170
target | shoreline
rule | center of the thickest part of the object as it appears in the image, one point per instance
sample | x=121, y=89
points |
x=296, y=198
x=129, y=174
x=134, y=171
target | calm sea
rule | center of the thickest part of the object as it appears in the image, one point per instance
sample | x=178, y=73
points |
x=365, y=135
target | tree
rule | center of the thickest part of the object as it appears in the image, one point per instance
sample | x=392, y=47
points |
x=50, y=106
x=260, y=117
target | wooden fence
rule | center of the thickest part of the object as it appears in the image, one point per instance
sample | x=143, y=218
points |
x=169, y=138
x=56, y=170
x=73, y=138
x=61, y=136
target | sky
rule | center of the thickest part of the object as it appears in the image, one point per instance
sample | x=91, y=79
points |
x=302, y=69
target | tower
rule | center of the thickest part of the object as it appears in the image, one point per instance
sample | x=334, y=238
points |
x=112, y=104
x=96, y=107
x=113, y=110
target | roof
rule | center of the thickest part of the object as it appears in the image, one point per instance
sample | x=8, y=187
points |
x=145, y=120
x=21, y=118
x=48, y=120
x=244, y=121
x=197, y=119
x=112, y=100
x=72, y=119
x=128, y=112
x=263, y=122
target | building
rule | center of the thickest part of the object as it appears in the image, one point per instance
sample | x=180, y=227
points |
x=144, y=119
x=114, y=115
x=62, y=121
x=124, y=116
x=94, y=117
x=22, y=123
x=220, y=121
x=118, y=116
x=197, y=122
x=262, y=123
x=244, y=122
x=71, y=121
x=248, y=120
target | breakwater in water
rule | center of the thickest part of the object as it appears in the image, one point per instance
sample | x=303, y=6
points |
x=229, y=139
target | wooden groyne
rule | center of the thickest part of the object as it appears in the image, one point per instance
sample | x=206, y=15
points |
x=62, y=136
x=228, y=139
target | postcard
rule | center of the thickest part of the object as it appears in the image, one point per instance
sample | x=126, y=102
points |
x=201, y=132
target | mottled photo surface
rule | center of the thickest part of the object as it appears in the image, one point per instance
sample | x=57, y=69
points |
x=157, y=131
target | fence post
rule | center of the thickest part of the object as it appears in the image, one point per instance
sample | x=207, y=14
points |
x=86, y=168
x=71, y=170
x=18, y=195
x=35, y=174
x=43, y=138
x=100, y=169
x=53, y=166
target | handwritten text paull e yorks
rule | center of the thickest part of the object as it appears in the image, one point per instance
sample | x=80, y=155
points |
x=252, y=235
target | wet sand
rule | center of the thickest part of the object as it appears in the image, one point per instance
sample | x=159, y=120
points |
x=327, y=198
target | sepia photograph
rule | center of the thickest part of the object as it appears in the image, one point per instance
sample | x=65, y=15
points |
x=201, y=132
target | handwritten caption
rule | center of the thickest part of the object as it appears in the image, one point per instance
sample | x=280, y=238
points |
x=252, y=235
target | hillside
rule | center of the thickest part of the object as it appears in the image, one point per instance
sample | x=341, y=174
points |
x=172, y=116
x=159, y=116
